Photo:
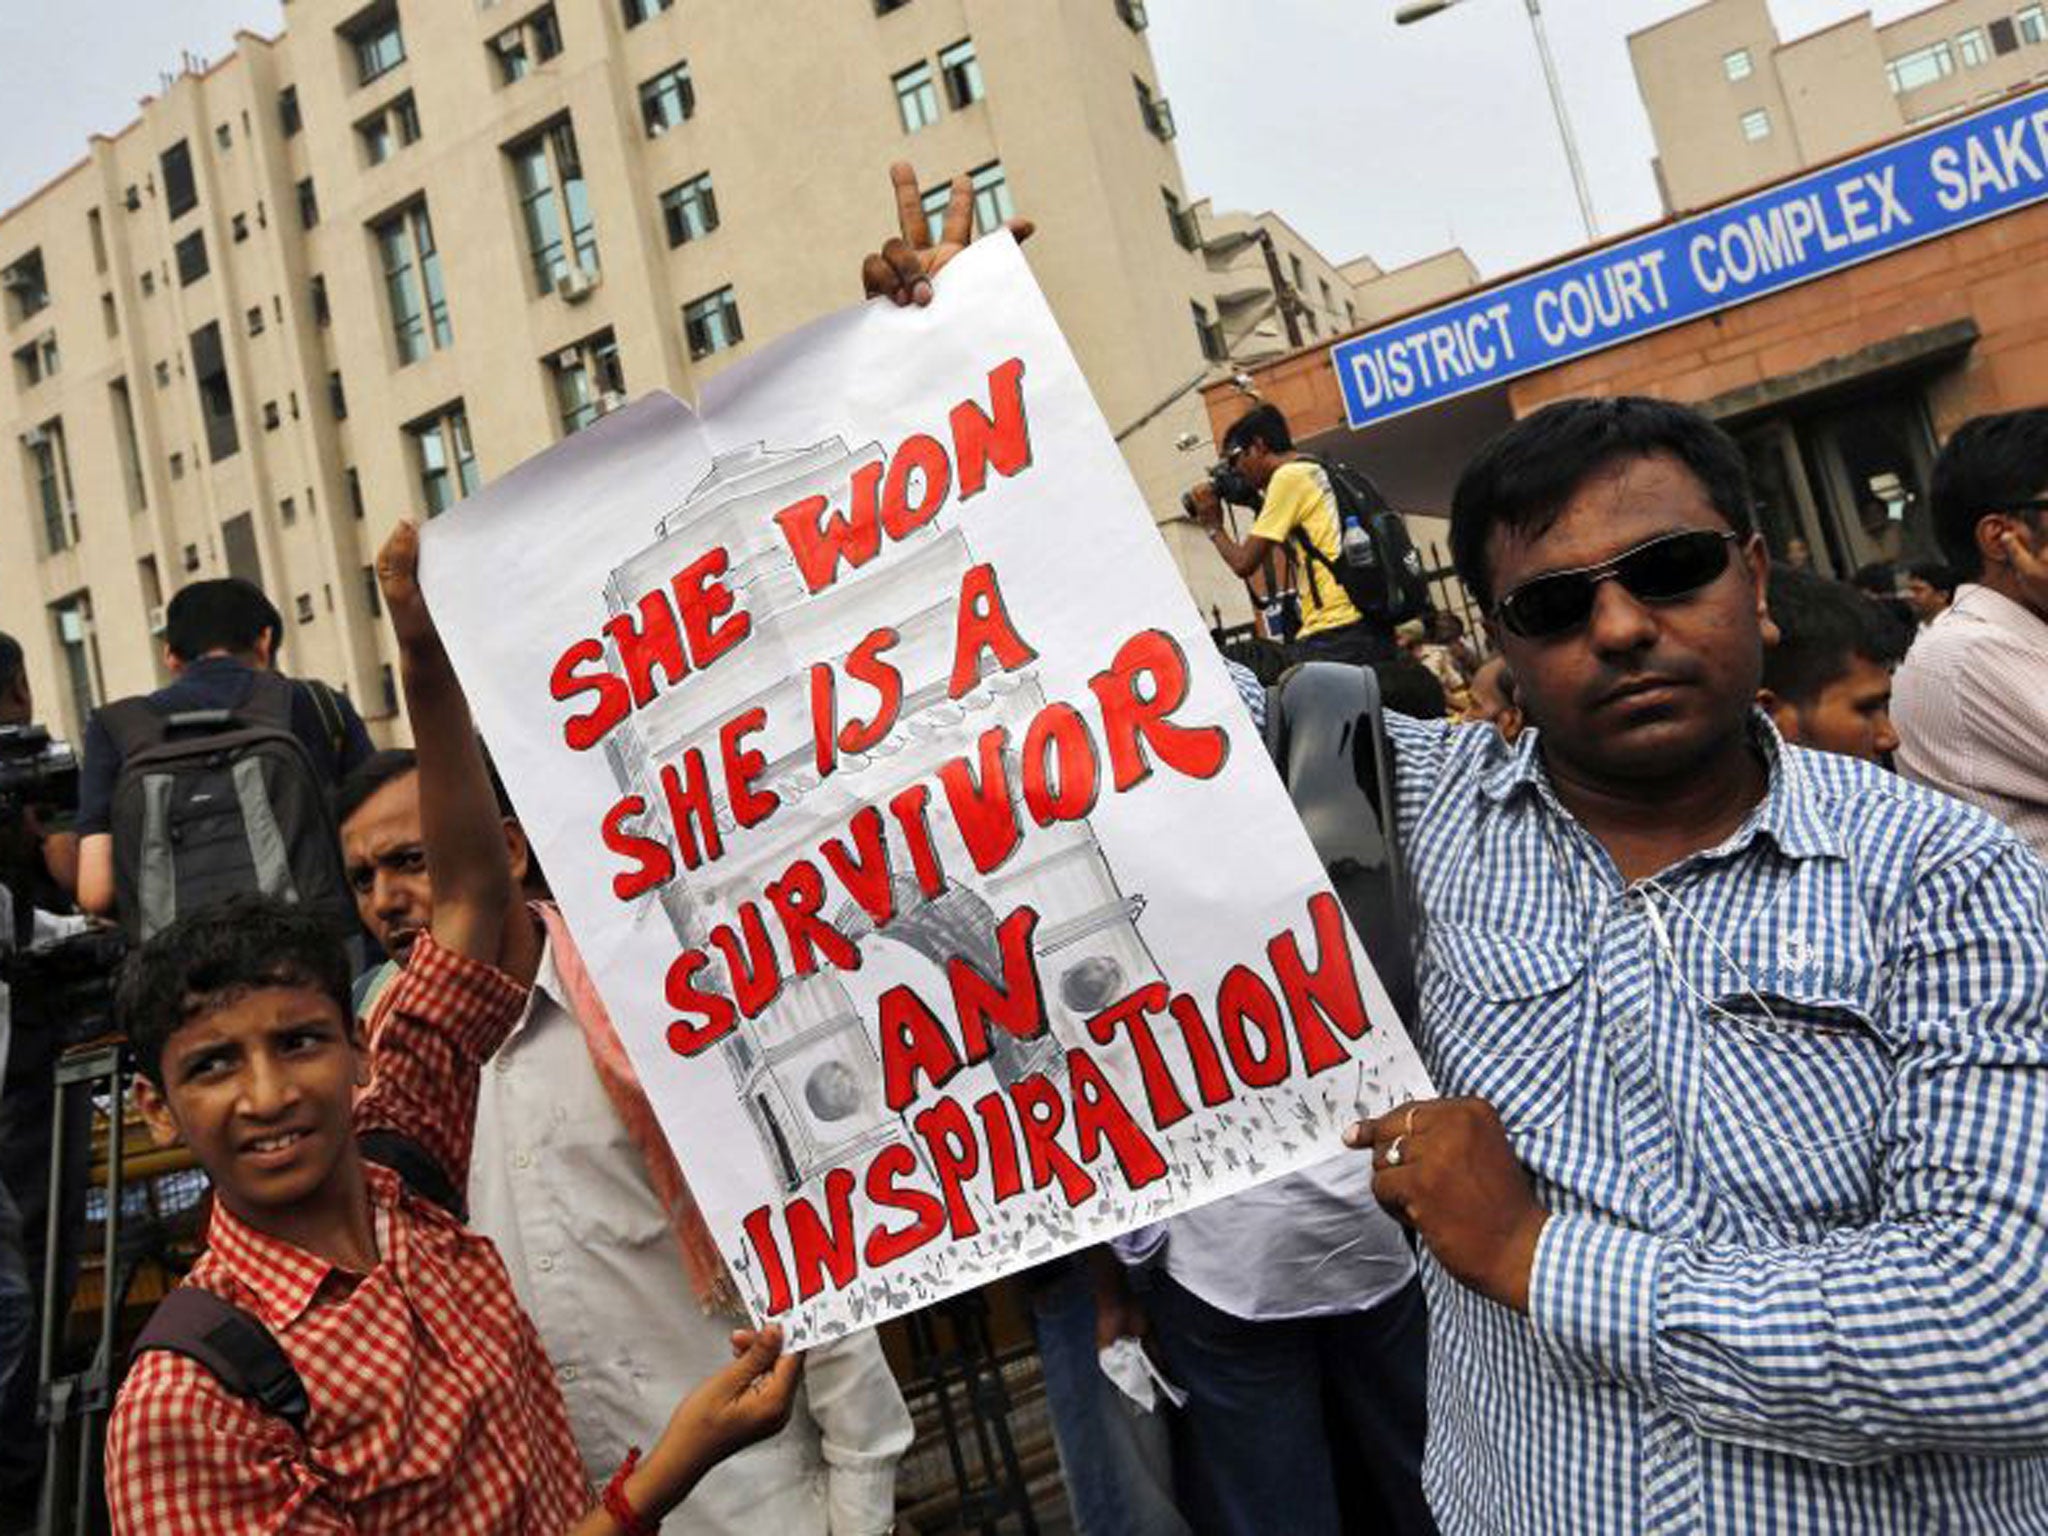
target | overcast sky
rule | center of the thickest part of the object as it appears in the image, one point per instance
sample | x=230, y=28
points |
x=1370, y=139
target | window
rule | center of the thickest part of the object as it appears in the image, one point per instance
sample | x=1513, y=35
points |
x=354, y=484
x=712, y=323
x=1153, y=111
x=287, y=511
x=131, y=450
x=1736, y=64
x=373, y=599
x=1209, y=333
x=936, y=202
x=288, y=119
x=549, y=178
x=148, y=281
x=27, y=289
x=917, y=100
x=50, y=466
x=303, y=606
x=71, y=623
x=992, y=205
x=533, y=41
x=444, y=458
x=588, y=381
x=1181, y=221
x=1972, y=49
x=1300, y=272
x=271, y=416
x=390, y=128
x=1756, y=125
x=190, y=254
x=962, y=71
x=238, y=227
x=1923, y=66
x=412, y=283
x=668, y=99
x=2032, y=23
x=337, y=396
x=163, y=374
x=884, y=7
x=690, y=211
x=96, y=231
x=181, y=194
x=37, y=361
x=255, y=319
x=374, y=39
x=177, y=462
x=316, y=293
x=637, y=11
x=224, y=136
x=216, y=400
x=309, y=205
x=1133, y=14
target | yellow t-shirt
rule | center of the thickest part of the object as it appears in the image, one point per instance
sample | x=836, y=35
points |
x=1299, y=495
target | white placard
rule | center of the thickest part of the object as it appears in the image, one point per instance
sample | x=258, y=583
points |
x=927, y=862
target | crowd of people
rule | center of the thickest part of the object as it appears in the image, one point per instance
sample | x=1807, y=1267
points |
x=1732, y=949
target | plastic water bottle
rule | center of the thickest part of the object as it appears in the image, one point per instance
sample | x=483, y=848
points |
x=1356, y=545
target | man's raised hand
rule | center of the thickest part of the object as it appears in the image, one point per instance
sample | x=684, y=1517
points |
x=398, y=578
x=902, y=270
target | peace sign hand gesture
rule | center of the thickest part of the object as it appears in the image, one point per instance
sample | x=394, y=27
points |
x=903, y=269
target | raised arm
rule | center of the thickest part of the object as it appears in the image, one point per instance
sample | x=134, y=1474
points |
x=467, y=863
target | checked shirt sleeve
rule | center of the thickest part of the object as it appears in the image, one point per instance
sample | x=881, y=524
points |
x=184, y=1458
x=438, y=1022
x=1924, y=1330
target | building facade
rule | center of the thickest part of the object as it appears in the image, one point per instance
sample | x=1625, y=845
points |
x=1839, y=386
x=1732, y=105
x=352, y=271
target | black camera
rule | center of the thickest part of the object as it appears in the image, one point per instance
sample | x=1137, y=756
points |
x=1230, y=485
x=35, y=771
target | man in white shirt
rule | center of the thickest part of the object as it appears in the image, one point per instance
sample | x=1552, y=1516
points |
x=573, y=1182
x=1971, y=699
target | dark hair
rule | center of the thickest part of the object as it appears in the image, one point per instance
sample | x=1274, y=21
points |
x=11, y=661
x=1523, y=478
x=1938, y=574
x=225, y=614
x=1990, y=464
x=369, y=776
x=1409, y=687
x=1822, y=624
x=1263, y=422
x=211, y=958
x=1879, y=578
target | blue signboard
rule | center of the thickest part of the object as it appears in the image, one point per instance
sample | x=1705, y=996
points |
x=1967, y=170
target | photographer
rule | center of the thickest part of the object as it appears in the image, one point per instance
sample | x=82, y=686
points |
x=1296, y=504
x=38, y=789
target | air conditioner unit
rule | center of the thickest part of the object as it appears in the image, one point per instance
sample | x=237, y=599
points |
x=33, y=438
x=156, y=619
x=576, y=284
x=656, y=127
x=568, y=357
x=132, y=199
x=17, y=281
x=71, y=626
x=610, y=401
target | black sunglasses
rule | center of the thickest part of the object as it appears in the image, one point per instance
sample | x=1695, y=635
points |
x=1659, y=570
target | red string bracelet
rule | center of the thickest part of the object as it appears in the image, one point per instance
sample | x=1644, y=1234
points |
x=619, y=1507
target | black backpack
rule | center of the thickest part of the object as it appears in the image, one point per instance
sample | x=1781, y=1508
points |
x=212, y=803
x=1381, y=572
x=234, y=1344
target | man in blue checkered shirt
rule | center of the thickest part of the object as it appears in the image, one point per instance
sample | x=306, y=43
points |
x=1736, y=1202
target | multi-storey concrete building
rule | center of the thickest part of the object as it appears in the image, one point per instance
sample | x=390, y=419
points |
x=1732, y=105
x=349, y=272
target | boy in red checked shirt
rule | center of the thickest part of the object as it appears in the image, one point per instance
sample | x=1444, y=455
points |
x=432, y=1404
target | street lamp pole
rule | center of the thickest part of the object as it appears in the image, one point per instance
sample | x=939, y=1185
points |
x=1418, y=10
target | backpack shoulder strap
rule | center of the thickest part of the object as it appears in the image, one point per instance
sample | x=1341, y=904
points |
x=417, y=1168
x=330, y=715
x=243, y=1355
x=269, y=702
x=133, y=725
